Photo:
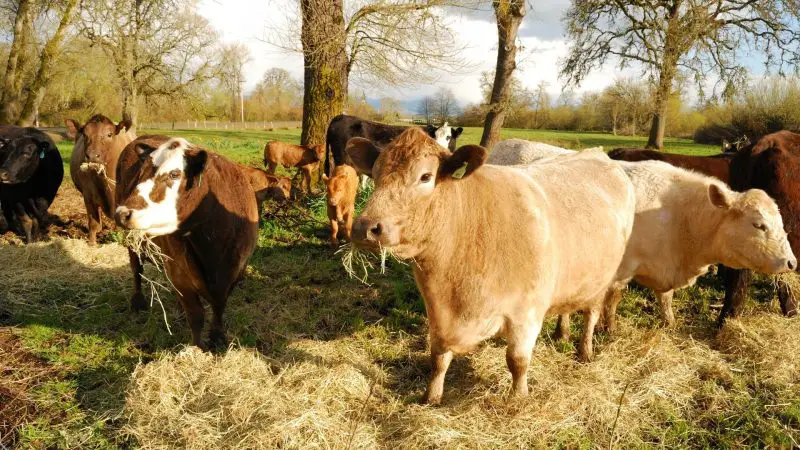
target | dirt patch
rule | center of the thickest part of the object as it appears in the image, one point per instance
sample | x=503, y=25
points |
x=20, y=373
x=68, y=218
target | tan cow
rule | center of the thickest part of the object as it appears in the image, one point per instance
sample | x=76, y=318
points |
x=93, y=167
x=341, y=199
x=685, y=222
x=305, y=158
x=498, y=249
x=266, y=186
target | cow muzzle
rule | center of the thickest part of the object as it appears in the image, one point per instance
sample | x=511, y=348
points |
x=123, y=216
x=373, y=233
x=5, y=177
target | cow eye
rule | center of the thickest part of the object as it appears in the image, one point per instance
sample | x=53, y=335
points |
x=426, y=177
x=448, y=138
x=109, y=135
x=760, y=226
x=175, y=174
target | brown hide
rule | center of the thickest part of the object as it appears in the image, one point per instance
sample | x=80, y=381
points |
x=716, y=166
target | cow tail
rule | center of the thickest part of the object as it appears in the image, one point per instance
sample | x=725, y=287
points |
x=328, y=151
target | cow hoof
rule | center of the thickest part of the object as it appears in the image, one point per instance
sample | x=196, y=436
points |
x=217, y=342
x=138, y=302
x=584, y=358
x=431, y=401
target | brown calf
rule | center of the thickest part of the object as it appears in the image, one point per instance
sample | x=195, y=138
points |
x=341, y=200
x=93, y=167
x=267, y=186
x=202, y=214
x=305, y=158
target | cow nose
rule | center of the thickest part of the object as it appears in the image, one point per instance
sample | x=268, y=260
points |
x=123, y=216
x=367, y=230
x=3, y=175
x=375, y=231
x=792, y=264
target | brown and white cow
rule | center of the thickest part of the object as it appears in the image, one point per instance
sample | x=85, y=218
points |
x=341, y=198
x=266, y=186
x=93, y=167
x=498, y=249
x=200, y=211
x=305, y=158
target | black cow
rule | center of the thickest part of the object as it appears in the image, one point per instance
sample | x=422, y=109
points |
x=344, y=127
x=31, y=172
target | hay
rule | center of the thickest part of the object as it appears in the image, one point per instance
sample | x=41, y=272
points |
x=356, y=260
x=99, y=169
x=320, y=392
x=140, y=243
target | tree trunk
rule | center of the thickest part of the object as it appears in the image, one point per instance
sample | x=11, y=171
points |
x=509, y=15
x=326, y=66
x=15, y=55
x=49, y=55
x=130, y=97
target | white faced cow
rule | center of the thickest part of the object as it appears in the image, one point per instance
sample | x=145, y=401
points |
x=498, y=249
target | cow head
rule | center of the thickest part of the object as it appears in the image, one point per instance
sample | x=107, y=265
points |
x=751, y=234
x=408, y=174
x=279, y=187
x=99, y=137
x=444, y=135
x=163, y=187
x=20, y=157
x=319, y=151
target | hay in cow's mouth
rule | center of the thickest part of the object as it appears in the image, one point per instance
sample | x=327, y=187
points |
x=139, y=242
x=356, y=256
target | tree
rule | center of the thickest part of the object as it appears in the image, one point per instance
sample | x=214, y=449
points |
x=509, y=14
x=233, y=58
x=699, y=36
x=50, y=53
x=277, y=96
x=390, y=109
x=445, y=105
x=427, y=107
x=23, y=24
x=158, y=47
x=382, y=41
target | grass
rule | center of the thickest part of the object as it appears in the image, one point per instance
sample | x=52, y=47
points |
x=322, y=360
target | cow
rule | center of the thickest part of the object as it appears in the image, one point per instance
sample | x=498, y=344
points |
x=772, y=163
x=499, y=248
x=519, y=151
x=341, y=189
x=343, y=127
x=686, y=221
x=305, y=157
x=267, y=186
x=717, y=166
x=93, y=166
x=200, y=211
x=31, y=171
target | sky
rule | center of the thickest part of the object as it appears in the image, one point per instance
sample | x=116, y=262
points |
x=541, y=34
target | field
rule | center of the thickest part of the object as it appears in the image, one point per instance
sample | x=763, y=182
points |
x=325, y=361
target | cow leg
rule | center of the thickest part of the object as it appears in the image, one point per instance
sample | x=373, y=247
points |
x=348, y=226
x=195, y=314
x=25, y=221
x=137, y=300
x=440, y=361
x=271, y=168
x=216, y=334
x=590, y=318
x=521, y=340
x=613, y=297
x=307, y=178
x=94, y=220
x=786, y=298
x=736, y=285
x=562, y=328
x=334, y=233
x=665, y=307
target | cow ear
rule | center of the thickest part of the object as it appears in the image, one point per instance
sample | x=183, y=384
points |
x=363, y=153
x=72, y=129
x=473, y=155
x=196, y=161
x=718, y=196
x=143, y=150
x=125, y=124
x=431, y=130
x=457, y=132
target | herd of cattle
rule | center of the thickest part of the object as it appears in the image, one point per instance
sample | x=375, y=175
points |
x=499, y=241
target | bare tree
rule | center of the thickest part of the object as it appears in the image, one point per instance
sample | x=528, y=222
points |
x=427, y=107
x=379, y=41
x=509, y=14
x=699, y=36
x=50, y=53
x=158, y=47
x=233, y=58
x=390, y=109
x=23, y=23
x=445, y=105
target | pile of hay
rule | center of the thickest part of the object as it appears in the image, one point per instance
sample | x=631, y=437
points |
x=320, y=394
